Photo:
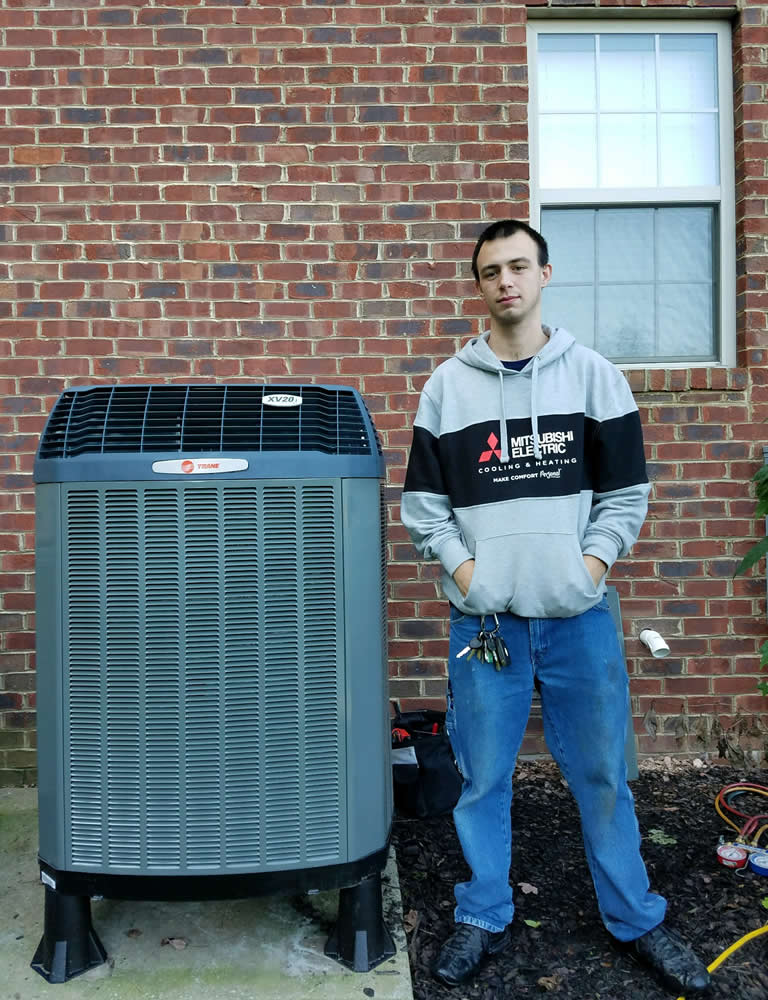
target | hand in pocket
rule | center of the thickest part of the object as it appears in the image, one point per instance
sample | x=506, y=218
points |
x=595, y=567
x=463, y=576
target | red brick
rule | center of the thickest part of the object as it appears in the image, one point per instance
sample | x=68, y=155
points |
x=356, y=298
x=730, y=685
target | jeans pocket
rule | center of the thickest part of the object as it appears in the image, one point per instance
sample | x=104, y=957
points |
x=450, y=711
x=450, y=728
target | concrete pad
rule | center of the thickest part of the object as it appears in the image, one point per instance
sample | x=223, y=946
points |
x=266, y=948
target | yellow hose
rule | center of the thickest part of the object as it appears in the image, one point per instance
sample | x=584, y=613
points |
x=757, y=790
x=732, y=948
x=754, y=789
x=758, y=835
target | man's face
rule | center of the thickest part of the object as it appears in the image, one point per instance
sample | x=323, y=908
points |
x=511, y=278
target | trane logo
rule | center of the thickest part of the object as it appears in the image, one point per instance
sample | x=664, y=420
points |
x=188, y=466
x=281, y=399
x=199, y=466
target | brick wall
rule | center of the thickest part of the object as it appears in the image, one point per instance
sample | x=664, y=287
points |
x=291, y=190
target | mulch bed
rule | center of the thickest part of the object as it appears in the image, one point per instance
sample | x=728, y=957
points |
x=569, y=954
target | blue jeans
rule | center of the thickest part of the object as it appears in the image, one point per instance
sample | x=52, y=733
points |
x=584, y=690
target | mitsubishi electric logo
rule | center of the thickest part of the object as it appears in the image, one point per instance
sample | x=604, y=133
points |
x=493, y=449
x=553, y=465
x=551, y=443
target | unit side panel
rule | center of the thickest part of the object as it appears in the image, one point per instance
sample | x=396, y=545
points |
x=50, y=756
x=369, y=785
x=203, y=676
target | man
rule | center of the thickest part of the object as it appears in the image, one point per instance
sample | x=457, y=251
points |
x=527, y=480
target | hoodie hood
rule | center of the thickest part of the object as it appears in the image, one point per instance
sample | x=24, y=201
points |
x=477, y=354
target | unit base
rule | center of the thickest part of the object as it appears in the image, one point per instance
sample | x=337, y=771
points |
x=69, y=945
x=360, y=939
x=240, y=885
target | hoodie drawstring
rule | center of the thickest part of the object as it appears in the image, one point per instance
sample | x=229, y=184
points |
x=503, y=436
x=534, y=411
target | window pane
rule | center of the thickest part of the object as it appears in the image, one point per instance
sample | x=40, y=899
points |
x=625, y=244
x=685, y=319
x=643, y=288
x=690, y=149
x=684, y=244
x=627, y=73
x=626, y=321
x=628, y=151
x=687, y=72
x=571, y=306
x=567, y=151
x=567, y=73
x=571, y=241
x=657, y=123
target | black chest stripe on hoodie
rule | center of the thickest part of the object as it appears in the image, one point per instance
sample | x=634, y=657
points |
x=424, y=474
x=475, y=474
x=577, y=453
x=616, y=454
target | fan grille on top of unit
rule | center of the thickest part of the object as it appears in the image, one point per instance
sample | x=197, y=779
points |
x=200, y=418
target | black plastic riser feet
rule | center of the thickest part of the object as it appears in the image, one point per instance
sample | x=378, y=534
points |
x=69, y=945
x=360, y=939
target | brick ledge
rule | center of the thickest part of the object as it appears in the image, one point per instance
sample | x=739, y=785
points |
x=684, y=379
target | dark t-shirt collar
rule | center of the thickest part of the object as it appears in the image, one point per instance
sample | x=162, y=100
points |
x=516, y=366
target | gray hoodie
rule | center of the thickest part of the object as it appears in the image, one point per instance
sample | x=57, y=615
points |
x=526, y=472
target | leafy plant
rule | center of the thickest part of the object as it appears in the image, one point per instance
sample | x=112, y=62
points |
x=759, y=549
x=762, y=686
x=660, y=837
x=756, y=553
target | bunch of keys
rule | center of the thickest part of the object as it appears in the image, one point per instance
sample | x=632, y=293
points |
x=488, y=646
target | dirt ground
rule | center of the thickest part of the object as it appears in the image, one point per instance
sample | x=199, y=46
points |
x=560, y=948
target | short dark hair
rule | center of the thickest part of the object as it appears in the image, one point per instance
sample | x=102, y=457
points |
x=508, y=227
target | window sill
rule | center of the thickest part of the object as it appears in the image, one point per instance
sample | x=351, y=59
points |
x=685, y=379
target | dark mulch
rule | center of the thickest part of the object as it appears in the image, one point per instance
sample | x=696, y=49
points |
x=569, y=954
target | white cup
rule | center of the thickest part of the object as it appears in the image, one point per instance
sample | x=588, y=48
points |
x=654, y=642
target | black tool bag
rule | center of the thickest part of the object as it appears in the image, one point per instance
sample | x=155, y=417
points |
x=424, y=774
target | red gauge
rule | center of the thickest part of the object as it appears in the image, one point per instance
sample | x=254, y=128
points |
x=731, y=856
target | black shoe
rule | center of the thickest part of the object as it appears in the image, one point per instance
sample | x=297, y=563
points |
x=463, y=953
x=672, y=960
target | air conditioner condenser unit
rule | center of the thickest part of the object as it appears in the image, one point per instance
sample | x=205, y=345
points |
x=211, y=655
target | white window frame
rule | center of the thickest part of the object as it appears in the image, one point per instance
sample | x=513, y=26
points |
x=722, y=195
